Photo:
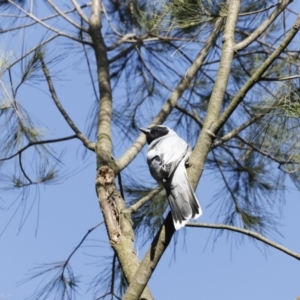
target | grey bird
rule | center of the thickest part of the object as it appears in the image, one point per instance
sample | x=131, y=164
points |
x=167, y=158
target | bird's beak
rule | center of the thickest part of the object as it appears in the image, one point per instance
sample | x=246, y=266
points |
x=144, y=130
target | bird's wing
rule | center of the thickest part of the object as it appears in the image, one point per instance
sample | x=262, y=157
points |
x=166, y=155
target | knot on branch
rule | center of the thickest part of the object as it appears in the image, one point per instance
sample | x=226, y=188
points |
x=105, y=176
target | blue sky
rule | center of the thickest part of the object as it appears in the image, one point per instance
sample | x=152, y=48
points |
x=204, y=267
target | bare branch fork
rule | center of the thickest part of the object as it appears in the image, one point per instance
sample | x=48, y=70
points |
x=252, y=234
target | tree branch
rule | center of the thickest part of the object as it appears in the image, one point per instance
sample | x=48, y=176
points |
x=252, y=234
x=259, y=30
x=86, y=142
x=136, y=147
x=151, y=259
x=80, y=11
x=204, y=142
x=104, y=143
x=119, y=227
x=280, y=78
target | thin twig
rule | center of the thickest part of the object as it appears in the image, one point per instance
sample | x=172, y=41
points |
x=127, y=38
x=89, y=68
x=64, y=16
x=192, y=115
x=122, y=53
x=80, y=243
x=87, y=143
x=22, y=169
x=33, y=143
x=133, y=208
x=257, y=11
x=41, y=44
x=33, y=17
x=281, y=162
x=104, y=141
x=252, y=234
x=33, y=23
x=280, y=78
x=235, y=131
x=226, y=183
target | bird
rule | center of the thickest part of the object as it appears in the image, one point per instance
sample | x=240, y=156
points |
x=167, y=158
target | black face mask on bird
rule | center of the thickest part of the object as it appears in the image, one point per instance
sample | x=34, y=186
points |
x=167, y=157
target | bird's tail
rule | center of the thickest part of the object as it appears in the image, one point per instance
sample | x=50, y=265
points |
x=182, y=199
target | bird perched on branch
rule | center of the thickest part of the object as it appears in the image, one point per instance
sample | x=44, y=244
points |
x=167, y=158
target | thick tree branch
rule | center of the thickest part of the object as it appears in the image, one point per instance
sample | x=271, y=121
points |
x=86, y=142
x=104, y=143
x=255, y=34
x=257, y=75
x=151, y=259
x=204, y=143
x=136, y=147
x=252, y=234
x=118, y=225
